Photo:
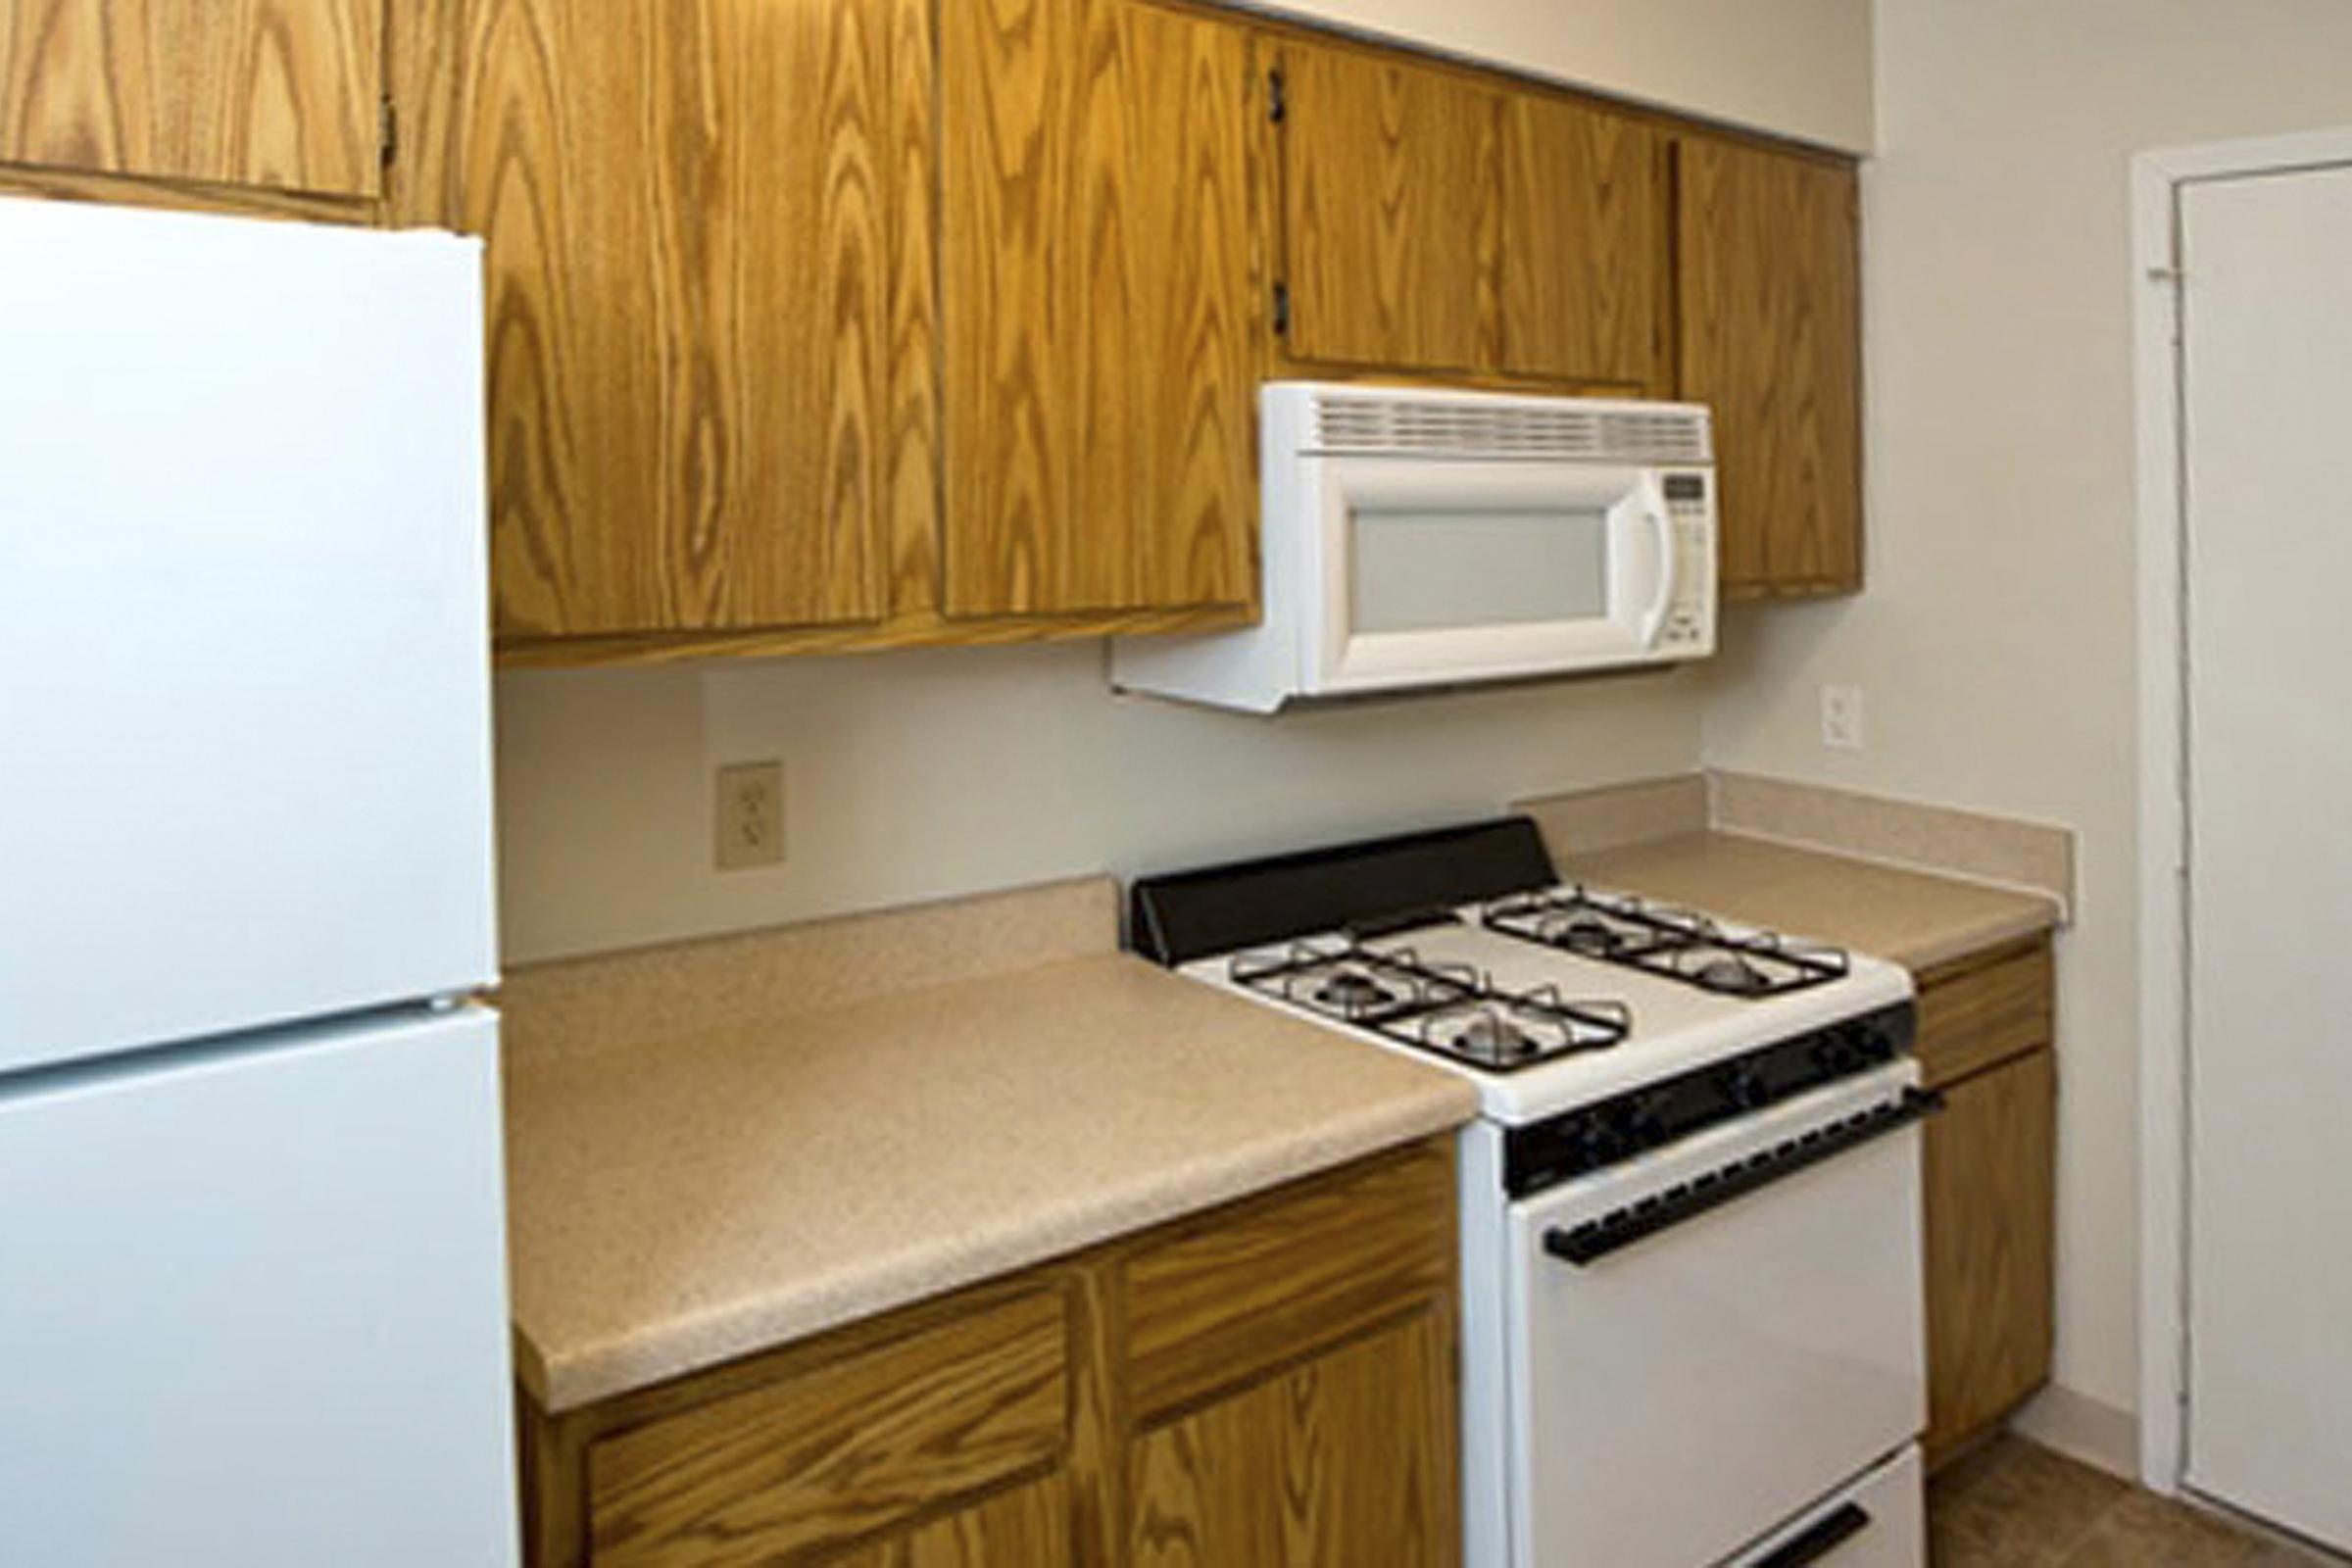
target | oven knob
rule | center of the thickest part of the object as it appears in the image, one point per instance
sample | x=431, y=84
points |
x=1596, y=1145
x=1744, y=1088
x=1838, y=1054
x=1621, y=1128
x=1646, y=1128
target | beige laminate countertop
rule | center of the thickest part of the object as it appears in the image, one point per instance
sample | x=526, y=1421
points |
x=690, y=1200
x=1915, y=918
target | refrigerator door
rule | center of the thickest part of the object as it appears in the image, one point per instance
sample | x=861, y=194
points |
x=244, y=682
x=252, y=1300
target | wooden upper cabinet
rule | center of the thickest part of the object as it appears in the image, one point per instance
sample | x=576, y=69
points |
x=1767, y=257
x=1389, y=213
x=696, y=260
x=1584, y=243
x=1433, y=222
x=280, y=94
x=1097, y=307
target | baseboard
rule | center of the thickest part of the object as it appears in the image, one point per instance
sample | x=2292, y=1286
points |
x=2083, y=1428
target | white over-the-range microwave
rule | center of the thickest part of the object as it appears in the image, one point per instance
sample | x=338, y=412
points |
x=1417, y=538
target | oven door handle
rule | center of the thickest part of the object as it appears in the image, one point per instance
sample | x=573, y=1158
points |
x=1818, y=1539
x=1621, y=1228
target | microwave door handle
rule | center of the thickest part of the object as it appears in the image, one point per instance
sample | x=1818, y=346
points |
x=1661, y=521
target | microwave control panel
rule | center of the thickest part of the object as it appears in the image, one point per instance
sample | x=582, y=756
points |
x=1690, y=507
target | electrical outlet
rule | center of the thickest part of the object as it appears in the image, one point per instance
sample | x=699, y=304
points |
x=1841, y=718
x=750, y=815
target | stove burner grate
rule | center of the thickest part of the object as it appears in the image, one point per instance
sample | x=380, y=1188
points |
x=1615, y=928
x=1445, y=1009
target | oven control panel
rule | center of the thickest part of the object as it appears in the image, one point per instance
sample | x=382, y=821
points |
x=1591, y=1137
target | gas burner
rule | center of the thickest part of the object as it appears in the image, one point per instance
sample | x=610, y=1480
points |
x=1341, y=980
x=1614, y=928
x=1589, y=925
x=1501, y=1031
x=1733, y=973
x=1594, y=938
x=1746, y=964
x=1441, y=1007
x=1352, y=991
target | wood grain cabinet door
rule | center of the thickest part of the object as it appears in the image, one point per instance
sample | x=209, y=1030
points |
x=1343, y=1461
x=1989, y=1189
x=694, y=252
x=1097, y=311
x=1583, y=242
x=1389, y=211
x=874, y=1443
x=1028, y=1526
x=1769, y=296
x=282, y=94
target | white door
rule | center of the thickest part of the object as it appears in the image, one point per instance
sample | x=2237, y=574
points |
x=244, y=682
x=253, y=1305
x=2268, y=384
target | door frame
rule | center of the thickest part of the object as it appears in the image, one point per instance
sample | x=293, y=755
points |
x=2157, y=179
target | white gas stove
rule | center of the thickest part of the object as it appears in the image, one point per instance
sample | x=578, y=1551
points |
x=1562, y=997
x=1693, y=1322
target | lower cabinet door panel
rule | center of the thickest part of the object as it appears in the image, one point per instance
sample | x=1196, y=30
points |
x=1028, y=1527
x=861, y=1445
x=1990, y=1186
x=1344, y=1461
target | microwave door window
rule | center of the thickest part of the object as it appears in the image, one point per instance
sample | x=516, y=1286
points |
x=1432, y=571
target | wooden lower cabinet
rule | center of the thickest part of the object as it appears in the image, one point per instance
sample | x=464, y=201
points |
x=1343, y=1460
x=1989, y=1176
x=1030, y=1524
x=1269, y=1383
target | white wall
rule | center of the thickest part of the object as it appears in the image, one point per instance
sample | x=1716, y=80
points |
x=1996, y=643
x=922, y=774
x=1801, y=68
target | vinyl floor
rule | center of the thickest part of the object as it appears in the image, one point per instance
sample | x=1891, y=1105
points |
x=2013, y=1504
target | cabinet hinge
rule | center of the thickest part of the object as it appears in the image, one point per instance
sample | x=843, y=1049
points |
x=387, y=132
x=1278, y=103
x=1282, y=309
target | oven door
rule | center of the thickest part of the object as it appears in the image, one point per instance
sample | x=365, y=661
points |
x=1430, y=570
x=1709, y=1365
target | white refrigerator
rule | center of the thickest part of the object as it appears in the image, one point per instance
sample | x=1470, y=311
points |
x=251, y=1251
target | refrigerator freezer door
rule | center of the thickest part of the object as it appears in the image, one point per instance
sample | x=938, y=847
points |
x=244, y=682
x=254, y=1307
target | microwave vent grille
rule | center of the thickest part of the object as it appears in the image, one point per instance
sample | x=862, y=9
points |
x=1391, y=425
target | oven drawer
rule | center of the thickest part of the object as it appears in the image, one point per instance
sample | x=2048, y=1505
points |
x=1878, y=1522
x=1768, y=1340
